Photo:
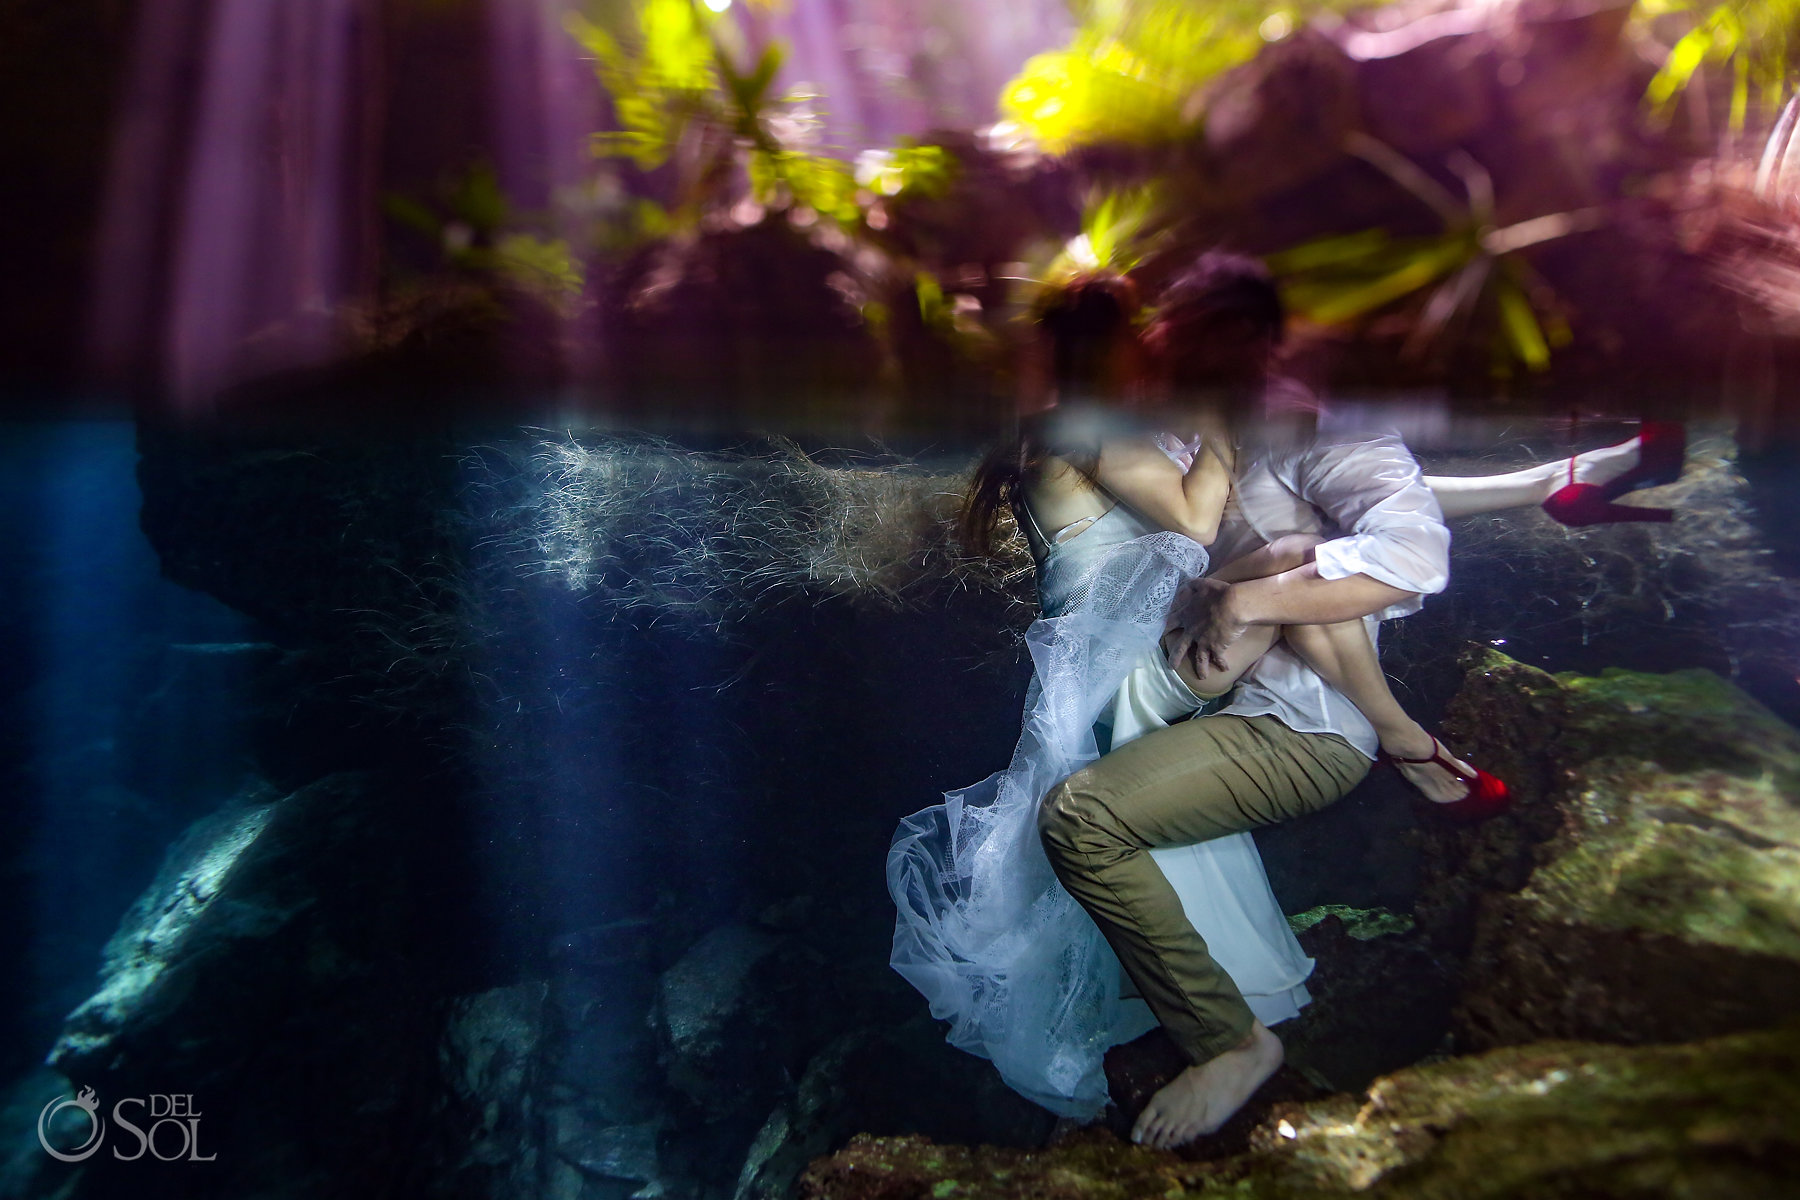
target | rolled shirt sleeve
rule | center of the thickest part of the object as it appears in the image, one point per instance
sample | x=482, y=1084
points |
x=1371, y=489
x=1367, y=496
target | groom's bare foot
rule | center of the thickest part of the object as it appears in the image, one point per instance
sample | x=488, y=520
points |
x=1202, y=1098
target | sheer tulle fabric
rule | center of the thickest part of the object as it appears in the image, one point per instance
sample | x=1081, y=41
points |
x=985, y=932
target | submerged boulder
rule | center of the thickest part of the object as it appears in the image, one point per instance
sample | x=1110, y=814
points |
x=1381, y=996
x=1557, y=1118
x=230, y=889
x=274, y=973
x=905, y=1078
x=707, y=1015
x=1663, y=899
x=490, y=1059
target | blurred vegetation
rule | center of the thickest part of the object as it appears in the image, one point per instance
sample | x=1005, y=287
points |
x=1338, y=280
x=1757, y=42
x=1117, y=230
x=921, y=248
x=1134, y=68
x=1472, y=274
x=907, y=169
x=671, y=70
x=1121, y=227
x=478, y=233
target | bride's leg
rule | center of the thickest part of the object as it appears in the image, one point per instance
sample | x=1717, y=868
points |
x=1240, y=656
x=1467, y=496
x=1345, y=658
x=1283, y=554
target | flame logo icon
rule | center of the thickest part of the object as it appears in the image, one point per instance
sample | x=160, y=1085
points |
x=88, y=1103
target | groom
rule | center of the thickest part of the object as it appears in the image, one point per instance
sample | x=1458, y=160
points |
x=1287, y=744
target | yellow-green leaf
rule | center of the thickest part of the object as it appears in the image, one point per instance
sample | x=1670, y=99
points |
x=1334, y=302
x=1327, y=252
x=1524, y=336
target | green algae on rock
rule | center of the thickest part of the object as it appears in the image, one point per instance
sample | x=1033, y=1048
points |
x=1362, y=924
x=1660, y=897
x=1551, y=1119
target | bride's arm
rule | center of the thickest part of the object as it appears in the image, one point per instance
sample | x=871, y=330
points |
x=1136, y=470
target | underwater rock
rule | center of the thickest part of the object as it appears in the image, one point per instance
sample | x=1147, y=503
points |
x=801, y=1130
x=897, y=1079
x=307, y=528
x=173, y=932
x=1556, y=1118
x=26, y=1172
x=1647, y=887
x=744, y=319
x=1138, y=1069
x=1304, y=87
x=1507, y=716
x=1420, y=93
x=705, y=1013
x=490, y=1059
x=625, y=1155
x=1706, y=590
x=600, y=1046
x=277, y=972
x=345, y=543
x=1382, y=996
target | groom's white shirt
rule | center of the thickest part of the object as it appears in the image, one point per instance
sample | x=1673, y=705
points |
x=1366, y=493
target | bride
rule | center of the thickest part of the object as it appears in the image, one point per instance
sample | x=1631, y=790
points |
x=1117, y=512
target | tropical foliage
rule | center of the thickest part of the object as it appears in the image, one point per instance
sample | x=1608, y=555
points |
x=474, y=227
x=1133, y=68
x=1119, y=228
x=1756, y=41
x=1471, y=269
x=671, y=69
x=908, y=168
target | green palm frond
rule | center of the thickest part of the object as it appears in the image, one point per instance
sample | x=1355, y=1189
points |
x=668, y=67
x=1112, y=237
x=1448, y=275
x=1131, y=69
x=1757, y=41
x=659, y=72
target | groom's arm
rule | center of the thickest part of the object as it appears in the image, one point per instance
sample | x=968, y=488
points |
x=1304, y=597
x=1209, y=615
x=1394, y=550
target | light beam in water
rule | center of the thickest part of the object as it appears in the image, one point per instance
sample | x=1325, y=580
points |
x=238, y=215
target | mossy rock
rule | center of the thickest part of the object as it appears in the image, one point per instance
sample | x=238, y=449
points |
x=1550, y=1119
x=1661, y=899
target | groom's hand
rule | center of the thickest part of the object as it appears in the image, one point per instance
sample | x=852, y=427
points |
x=1203, y=621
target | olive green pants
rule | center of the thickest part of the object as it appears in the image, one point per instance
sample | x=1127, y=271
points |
x=1201, y=779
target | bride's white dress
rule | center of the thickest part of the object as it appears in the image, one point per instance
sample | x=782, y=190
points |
x=985, y=931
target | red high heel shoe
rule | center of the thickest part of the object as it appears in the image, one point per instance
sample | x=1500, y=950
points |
x=1662, y=449
x=1487, y=796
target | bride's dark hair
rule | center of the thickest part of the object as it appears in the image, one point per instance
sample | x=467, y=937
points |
x=1084, y=320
